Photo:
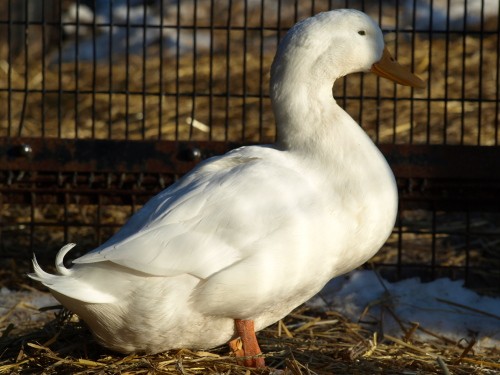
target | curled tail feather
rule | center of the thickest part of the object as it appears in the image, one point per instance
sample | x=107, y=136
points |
x=60, y=258
x=68, y=282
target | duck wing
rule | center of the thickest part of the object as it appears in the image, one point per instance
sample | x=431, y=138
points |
x=209, y=220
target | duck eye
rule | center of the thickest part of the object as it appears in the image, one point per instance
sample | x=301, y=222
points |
x=362, y=32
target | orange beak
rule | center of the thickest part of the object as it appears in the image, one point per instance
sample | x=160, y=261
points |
x=389, y=68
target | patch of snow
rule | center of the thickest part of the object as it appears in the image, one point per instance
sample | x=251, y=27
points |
x=20, y=308
x=453, y=15
x=443, y=307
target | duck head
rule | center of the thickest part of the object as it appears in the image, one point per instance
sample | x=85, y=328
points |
x=313, y=54
x=333, y=44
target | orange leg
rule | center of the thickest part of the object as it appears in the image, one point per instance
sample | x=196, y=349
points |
x=246, y=345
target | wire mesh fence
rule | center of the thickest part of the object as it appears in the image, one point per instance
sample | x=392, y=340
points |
x=198, y=70
x=89, y=88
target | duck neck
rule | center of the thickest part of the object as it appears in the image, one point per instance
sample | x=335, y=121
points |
x=351, y=169
x=311, y=124
x=308, y=119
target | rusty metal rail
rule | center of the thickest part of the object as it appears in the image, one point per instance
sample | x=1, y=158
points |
x=441, y=175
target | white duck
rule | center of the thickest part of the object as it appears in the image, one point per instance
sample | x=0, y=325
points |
x=246, y=237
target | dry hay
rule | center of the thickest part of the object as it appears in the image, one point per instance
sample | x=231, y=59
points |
x=307, y=341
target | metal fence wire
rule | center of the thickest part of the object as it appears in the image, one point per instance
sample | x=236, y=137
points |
x=105, y=103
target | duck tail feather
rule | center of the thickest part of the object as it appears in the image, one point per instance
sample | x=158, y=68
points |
x=40, y=274
x=60, y=259
x=46, y=277
x=67, y=282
